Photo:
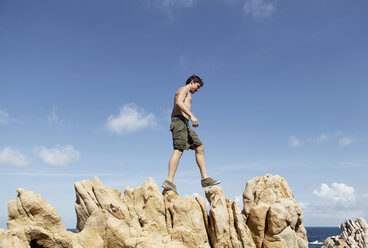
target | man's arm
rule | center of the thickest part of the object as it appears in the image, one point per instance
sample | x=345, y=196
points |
x=180, y=96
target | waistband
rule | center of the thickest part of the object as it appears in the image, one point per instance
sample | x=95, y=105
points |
x=180, y=117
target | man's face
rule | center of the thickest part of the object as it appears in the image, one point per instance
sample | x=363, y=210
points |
x=195, y=87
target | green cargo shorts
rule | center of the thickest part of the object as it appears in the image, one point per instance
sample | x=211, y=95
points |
x=184, y=137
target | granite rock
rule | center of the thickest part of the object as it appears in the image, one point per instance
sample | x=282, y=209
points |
x=145, y=217
x=272, y=214
x=354, y=234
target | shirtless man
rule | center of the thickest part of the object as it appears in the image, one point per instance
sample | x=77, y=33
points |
x=184, y=137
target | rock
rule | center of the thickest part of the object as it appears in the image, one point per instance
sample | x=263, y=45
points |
x=185, y=220
x=9, y=240
x=33, y=221
x=273, y=215
x=354, y=234
x=334, y=242
x=226, y=226
x=256, y=222
x=145, y=217
x=363, y=224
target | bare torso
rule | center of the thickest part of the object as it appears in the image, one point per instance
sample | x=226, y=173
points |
x=187, y=102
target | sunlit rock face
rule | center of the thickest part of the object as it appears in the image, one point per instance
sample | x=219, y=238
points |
x=147, y=217
x=272, y=214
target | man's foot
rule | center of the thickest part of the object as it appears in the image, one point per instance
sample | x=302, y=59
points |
x=209, y=182
x=167, y=185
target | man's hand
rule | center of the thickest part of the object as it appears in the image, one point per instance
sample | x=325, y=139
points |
x=195, y=122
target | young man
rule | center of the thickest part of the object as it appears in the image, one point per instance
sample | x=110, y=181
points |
x=184, y=137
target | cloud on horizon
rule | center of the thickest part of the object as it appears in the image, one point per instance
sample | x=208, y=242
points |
x=9, y=156
x=258, y=8
x=130, y=119
x=59, y=156
x=338, y=193
x=337, y=201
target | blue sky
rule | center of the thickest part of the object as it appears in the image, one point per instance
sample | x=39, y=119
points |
x=86, y=89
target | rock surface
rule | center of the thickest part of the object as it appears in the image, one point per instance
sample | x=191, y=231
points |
x=272, y=214
x=145, y=217
x=354, y=234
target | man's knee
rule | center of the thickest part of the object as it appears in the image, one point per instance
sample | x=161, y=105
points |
x=199, y=149
x=178, y=152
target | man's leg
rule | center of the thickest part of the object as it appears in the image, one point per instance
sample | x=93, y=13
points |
x=173, y=164
x=199, y=155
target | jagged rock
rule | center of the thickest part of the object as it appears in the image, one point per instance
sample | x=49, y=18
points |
x=145, y=217
x=354, y=234
x=185, y=220
x=136, y=219
x=226, y=226
x=33, y=220
x=363, y=224
x=273, y=215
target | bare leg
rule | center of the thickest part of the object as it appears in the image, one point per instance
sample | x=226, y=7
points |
x=199, y=154
x=173, y=164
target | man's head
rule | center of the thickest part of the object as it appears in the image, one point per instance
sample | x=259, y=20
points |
x=194, y=82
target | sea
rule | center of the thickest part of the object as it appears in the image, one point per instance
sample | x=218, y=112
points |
x=316, y=235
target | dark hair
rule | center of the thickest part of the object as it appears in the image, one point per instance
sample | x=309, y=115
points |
x=195, y=79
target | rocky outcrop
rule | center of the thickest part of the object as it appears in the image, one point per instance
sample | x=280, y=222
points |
x=226, y=223
x=272, y=214
x=354, y=234
x=145, y=217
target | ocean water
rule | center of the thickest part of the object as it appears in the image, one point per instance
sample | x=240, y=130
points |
x=316, y=235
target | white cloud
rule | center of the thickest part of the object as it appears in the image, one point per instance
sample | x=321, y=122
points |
x=338, y=193
x=53, y=117
x=258, y=8
x=12, y=157
x=59, y=156
x=294, y=142
x=345, y=141
x=130, y=119
x=4, y=117
x=322, y=138
x=336, y=203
